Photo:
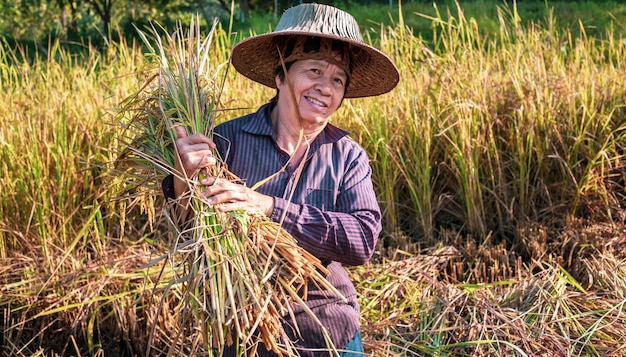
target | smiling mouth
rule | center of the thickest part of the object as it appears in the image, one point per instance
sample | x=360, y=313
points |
x=316, y=102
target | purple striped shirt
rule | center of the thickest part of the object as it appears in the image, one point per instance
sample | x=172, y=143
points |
x=333, y=213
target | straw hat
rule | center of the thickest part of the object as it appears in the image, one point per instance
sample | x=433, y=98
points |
x=372, y=72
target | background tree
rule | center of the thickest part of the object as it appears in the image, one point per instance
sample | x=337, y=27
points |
x=69, y=22
x=103, y=9
x=27, y=19
x=78, y=20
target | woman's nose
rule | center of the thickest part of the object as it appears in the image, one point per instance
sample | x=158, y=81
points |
x=324, y=84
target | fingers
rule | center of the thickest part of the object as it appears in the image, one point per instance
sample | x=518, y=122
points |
x=195, y=151
x=208, y=181
x=221, y=191
x=193, y=142
x=181, y=132
x=228, y=196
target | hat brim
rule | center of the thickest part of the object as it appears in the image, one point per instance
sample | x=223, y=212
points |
x=373, y=72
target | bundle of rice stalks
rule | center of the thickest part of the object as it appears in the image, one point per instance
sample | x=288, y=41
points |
x=238, y=272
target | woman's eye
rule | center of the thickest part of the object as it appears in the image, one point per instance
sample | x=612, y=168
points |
x=338, y=81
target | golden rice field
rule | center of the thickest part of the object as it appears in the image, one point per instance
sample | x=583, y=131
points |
x=499, y=162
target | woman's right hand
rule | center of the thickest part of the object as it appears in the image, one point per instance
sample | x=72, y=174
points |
x=195, y=153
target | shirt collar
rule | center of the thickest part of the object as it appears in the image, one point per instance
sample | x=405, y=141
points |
x=260, y=123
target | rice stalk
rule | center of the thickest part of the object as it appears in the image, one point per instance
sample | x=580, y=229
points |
x=237, y=273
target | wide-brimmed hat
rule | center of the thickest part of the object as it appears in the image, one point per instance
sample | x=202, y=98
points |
x=372, y=72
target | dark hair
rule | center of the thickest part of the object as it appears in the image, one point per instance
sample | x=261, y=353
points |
x=311, y=45
x=280, y=72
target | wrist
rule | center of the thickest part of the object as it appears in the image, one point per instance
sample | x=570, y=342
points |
x=180, y=186
x=269, y=207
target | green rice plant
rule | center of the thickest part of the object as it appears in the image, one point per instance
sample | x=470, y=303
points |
x=237, y=272
x=44, y=146
x=396, y=129
x=55, y=226
x=412, y=116
x=377, y=137
x=524, y=128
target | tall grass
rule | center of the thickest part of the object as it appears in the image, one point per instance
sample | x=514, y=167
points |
x=56, y=230
x=492, y=132
x=51, y=132
x=505, y=150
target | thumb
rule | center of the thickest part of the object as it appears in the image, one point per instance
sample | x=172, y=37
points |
x=181, y=132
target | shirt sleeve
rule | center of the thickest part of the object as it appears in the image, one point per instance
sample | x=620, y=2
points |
x=347, y=234
x=167, y=186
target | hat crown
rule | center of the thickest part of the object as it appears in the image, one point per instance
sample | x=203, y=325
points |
x=320, y=19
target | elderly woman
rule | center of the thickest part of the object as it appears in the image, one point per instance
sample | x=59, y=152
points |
x=315, y=58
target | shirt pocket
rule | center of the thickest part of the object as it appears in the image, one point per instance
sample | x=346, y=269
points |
x=321, y=198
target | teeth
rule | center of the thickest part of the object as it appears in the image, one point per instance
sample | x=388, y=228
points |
x=316, y=102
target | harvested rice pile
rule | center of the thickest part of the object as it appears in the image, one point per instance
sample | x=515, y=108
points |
x=237, y=273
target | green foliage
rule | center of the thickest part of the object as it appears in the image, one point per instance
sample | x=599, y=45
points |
x=26, y=20
x=79, y=21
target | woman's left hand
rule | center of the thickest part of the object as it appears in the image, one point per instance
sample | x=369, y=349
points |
x=230, y=196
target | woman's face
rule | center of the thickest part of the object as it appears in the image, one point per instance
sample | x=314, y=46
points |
x=318, y=88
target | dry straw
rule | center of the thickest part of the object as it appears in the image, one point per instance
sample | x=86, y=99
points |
x=238, y=273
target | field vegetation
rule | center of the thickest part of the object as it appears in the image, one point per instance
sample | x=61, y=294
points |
x=499, y=162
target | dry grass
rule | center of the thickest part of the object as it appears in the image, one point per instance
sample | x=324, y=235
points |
x=410, y=307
